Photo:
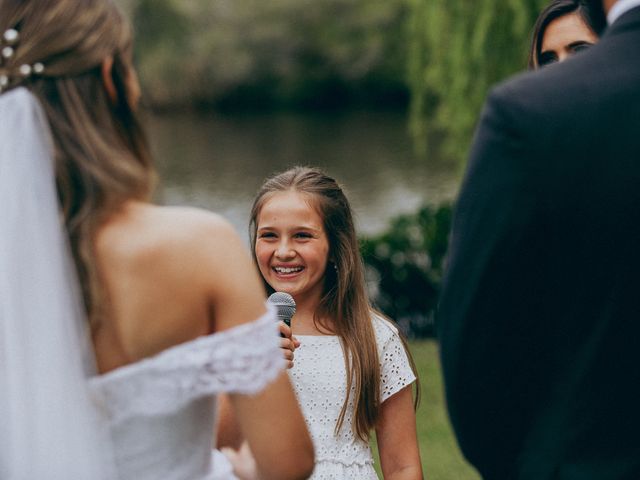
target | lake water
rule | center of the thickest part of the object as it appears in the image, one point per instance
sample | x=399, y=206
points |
x=219, y=161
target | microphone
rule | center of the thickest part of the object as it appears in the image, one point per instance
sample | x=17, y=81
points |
x=285, y=306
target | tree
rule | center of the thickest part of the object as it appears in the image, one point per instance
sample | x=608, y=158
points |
x=458, y=50
x=274, y=53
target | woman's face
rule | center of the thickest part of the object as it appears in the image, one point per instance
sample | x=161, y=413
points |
x=564, y=37
x=292, y=247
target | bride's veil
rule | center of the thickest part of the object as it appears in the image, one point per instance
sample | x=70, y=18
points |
x=49, y=427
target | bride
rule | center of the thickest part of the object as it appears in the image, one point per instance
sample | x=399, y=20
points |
x=120, y=321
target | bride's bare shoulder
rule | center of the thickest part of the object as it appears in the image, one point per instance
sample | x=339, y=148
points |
x=160, y=266
x=166, y=268
x=145, y=230
x=183, y=223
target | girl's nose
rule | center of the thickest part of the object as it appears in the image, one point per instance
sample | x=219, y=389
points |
x=284, y=251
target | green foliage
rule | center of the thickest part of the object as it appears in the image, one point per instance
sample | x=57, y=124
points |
x=458, y=50
x=161, y=31
x=406, y=263
x=256, y=53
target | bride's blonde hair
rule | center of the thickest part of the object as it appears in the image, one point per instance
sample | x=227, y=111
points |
x=101, y=154
x=344, y=299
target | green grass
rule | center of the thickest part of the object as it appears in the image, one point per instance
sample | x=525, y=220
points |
x=441, y=458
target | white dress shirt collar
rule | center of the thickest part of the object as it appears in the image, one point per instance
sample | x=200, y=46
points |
x=621, y=7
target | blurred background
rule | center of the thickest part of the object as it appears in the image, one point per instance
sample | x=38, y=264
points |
x=382, y=94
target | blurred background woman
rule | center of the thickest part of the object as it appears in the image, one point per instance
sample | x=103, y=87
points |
x=563, y=28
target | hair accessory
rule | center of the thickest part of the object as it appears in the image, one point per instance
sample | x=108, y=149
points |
x=25, y=70
x=8, y=75
x=11, y=36
x=7, y=53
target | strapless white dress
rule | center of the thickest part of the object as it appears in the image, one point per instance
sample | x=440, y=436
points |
x=161, y=410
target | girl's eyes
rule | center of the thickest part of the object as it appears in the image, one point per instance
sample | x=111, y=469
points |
x=302, y=235
x=299, y=235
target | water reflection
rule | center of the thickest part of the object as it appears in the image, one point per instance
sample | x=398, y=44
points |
x=219, y=161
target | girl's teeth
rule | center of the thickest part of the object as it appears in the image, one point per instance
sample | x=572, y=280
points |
x=287, y=270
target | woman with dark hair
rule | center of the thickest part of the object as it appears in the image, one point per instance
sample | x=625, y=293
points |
x=562, y=29
x=120, y=320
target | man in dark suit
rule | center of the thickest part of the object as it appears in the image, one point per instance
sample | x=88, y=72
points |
x=539, y=318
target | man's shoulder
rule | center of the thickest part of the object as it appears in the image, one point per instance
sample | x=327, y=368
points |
x=568, y=87
x=536, y=91
x=532, y=104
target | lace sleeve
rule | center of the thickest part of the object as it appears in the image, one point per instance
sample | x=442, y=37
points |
x=395, y=369
x=243, y=359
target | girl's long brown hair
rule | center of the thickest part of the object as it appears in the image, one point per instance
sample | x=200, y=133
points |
x=345, y=301
x=101, y=155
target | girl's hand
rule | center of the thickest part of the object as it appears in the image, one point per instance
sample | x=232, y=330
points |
x=288, y=343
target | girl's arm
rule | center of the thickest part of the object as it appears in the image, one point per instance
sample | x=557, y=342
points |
x=397, y=438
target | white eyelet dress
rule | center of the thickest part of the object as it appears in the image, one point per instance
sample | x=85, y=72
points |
x=161, y=410
x=320, y=382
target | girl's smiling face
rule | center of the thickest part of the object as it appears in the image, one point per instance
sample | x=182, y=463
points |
x=292, y=248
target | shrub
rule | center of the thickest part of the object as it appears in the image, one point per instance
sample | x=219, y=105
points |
x=404, y=267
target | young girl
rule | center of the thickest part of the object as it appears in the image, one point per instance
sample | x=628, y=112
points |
x=352, y=372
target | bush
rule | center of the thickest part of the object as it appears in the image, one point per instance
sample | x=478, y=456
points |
x=404, y=267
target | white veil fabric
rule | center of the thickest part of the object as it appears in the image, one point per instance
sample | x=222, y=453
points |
x=49, y=427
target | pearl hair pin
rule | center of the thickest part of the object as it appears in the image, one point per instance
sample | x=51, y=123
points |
x=11, y=36
x=7, y=53
x=8, y=42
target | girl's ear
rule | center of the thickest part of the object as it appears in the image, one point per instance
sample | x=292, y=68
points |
x=107, y=79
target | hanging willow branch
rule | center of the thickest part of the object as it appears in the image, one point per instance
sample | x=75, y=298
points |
x=458, y=50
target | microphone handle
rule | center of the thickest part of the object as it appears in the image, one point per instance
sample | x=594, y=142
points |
x=287, y=321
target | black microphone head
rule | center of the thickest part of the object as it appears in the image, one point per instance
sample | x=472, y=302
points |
x=285, y=306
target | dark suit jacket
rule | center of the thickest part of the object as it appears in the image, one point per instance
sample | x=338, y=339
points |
x=539, y=319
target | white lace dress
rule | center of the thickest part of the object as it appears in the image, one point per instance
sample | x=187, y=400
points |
x=161, y=409
x=319, y=379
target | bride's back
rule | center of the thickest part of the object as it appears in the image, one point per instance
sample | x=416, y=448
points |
x=162, y=269
x=150, y=278
x=171, y=275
